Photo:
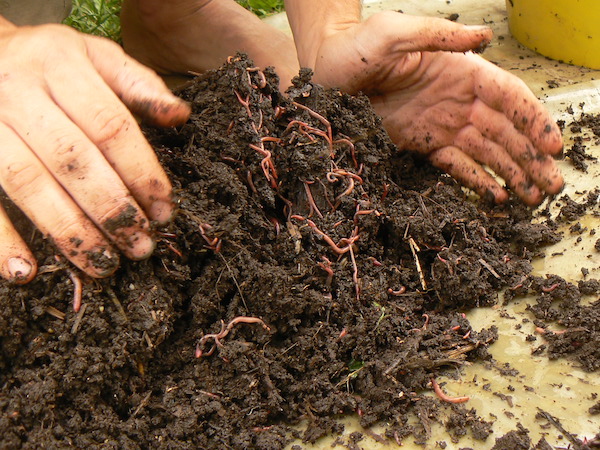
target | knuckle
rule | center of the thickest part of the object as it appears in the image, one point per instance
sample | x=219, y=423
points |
x=66, y=233
x=109, y=124
x=47, y=41
x=21, y=178
x=66, y=152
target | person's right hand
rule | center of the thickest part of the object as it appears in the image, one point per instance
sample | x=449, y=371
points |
x=460, y=111
x=72, y=156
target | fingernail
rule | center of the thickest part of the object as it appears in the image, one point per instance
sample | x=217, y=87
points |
x=19, y=269
x=141, y=246
x=162, y=211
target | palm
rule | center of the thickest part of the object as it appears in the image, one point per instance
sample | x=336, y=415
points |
x=457, y=109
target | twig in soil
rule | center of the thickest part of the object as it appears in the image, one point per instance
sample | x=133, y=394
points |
x=143, y=403
x=234, y=280
x=554, y=421
x=77, y=322
x=455, y=353
x=146, y=336
x=347, y=379
x=55, y=313
x=414, y=248
x=117, y=303
x=438, y=391
x=48, y=268
x=452, y=357
x=224, y=332
x=485, y=264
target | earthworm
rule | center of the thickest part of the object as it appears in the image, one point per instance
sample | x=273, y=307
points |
x=224, y=332
x=77, y=290
x=438, y=391
x=400, y=291
x=551, y=288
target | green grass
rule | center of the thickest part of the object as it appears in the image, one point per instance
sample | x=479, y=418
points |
x=101, y=17
x=97, y=17
x=262, y=8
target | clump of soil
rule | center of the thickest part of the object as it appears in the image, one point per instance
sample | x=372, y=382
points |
x=331, y=269
x=577, y=153
x=571, y=326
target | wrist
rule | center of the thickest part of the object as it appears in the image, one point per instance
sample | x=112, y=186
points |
x=199, y=35
x=314, y=21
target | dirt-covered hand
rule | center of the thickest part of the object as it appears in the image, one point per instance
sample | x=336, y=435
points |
x=458, y=109
x=72, y=156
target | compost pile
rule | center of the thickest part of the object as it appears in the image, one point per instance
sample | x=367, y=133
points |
x=312, y=270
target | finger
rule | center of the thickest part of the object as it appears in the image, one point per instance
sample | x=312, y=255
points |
x=17, y=264
x=484, y=151
x=540, y=167
x=28, y=183
x=510, y=95
x=109, y=125
x=468, y=172
x=414, y=33
x=80, y=168
x=142, y=90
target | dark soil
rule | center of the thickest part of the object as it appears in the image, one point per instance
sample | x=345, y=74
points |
x=586, y=128
x=361, y=290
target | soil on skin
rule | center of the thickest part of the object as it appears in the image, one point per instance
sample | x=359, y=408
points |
x=358, y=259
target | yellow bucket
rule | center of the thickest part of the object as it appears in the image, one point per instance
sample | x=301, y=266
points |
x=565, y=30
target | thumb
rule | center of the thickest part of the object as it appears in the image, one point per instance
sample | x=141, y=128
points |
x=414, y=33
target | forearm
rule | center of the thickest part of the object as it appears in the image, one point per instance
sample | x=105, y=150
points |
x=205, y=31
x=314, y=20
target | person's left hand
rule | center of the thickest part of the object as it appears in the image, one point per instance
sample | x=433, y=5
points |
x=458, y=109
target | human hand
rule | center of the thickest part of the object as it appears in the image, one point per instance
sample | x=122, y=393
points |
x=458, y=109
x=72, y=156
